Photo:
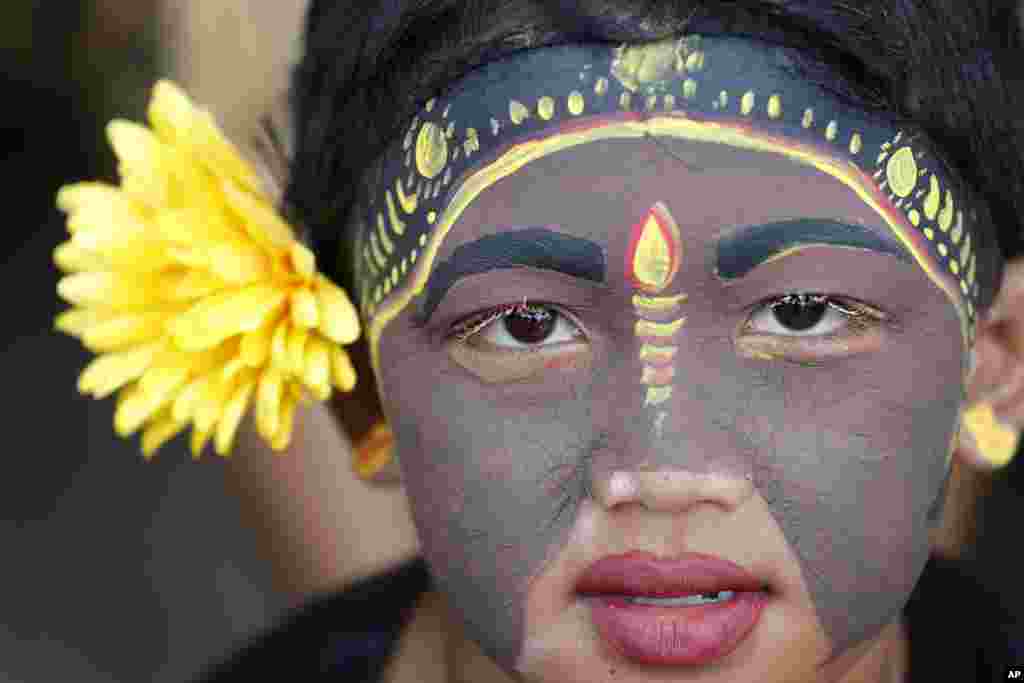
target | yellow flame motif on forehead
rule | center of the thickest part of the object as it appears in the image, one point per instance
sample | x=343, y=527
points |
x=653, y=259
x=652, y=262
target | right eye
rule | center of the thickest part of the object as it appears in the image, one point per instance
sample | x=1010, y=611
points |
x=518, y=327
x=516, y=342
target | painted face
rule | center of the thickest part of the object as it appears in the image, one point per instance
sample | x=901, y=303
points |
x=679, y=260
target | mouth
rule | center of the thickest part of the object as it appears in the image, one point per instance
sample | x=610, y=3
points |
x=689, y=610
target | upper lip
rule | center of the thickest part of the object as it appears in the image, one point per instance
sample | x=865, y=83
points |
x=643, y=573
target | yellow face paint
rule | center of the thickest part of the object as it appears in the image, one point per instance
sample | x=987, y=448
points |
x=524, y=108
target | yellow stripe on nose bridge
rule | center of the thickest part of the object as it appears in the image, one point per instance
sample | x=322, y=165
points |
x=647, y=328
x=658, y=354
x=659, y=304
x=656, y=395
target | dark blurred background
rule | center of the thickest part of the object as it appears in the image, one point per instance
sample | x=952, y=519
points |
x=111, y=568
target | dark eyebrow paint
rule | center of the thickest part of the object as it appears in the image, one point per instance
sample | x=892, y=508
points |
x=532, y=247
x=744, y=248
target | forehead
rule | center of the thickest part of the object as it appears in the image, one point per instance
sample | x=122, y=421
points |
x=600, y=190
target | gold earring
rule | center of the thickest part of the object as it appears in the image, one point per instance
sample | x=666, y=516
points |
x=995, y=442
x=373, y=458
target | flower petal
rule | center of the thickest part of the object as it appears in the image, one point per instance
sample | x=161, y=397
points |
x=211, y=404
x=317, y=368
x=231, y=370
x=70, y=258
x=168, y=373
x=134, y=407
x=76, y=196
x=268, y=404
x=114, y=289
x=138, y=151
x=339, y=321
x=129, y=330
x=297, y=338
x=232, y=417
x=343, y=375
x=304, y=308
x=239, y=263
x=76, y=321
x=160, y=431
x=188, y=398
x=303, y=260
x=255, y=347
x=286, y=424
x=108, y=373
x=195, y=284
x=224, y=315
x=111, y=222
x=198, y=442
x=178, y=120
x=299, y=393
x=259, y=218
x=279, y=345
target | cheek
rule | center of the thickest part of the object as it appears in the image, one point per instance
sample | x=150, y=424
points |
x=854, y=459
x=487, y=488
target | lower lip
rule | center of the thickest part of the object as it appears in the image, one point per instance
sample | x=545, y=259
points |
x=682, y=635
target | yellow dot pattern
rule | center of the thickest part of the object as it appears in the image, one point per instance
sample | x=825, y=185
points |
x=747, y=103
x=831, y=131
x=429, y=145
x=856, y=144
x=546, y=108
x=576, y=103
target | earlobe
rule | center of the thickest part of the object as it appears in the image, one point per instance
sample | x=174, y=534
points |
x=984, y=443
x=991, y=422
x=373, y=458
x=362, y=418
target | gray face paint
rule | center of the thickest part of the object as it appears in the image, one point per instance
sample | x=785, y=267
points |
x=849, y=454
x=483, y=462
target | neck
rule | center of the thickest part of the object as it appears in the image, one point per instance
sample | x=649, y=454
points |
x=886, y=660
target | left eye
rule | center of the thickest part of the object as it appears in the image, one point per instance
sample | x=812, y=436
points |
x=806, y=315
x=518, y=327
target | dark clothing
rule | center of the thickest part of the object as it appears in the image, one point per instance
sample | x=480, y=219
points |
x=958, y=630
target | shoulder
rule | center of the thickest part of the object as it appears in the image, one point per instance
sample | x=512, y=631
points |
x=348, y=635
x=960, y=627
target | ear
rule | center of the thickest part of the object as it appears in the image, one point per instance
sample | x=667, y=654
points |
x=994, y=414
x=361, y=416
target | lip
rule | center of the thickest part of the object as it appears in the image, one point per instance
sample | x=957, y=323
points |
x=683, y=635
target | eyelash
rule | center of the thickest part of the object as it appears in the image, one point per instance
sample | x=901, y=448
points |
x=465, y=329
x=859, y=317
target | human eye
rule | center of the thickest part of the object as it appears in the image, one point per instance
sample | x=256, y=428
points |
x=809, y=327
x=516, y=342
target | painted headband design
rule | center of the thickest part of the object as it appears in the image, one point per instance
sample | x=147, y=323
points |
x=735, y=91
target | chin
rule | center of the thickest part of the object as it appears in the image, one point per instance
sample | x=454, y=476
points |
x=649, y=614
x=785, y=645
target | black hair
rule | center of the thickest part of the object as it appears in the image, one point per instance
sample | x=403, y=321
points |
x=368, y=66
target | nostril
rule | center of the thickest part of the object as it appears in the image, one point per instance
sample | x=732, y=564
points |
x=675, y=490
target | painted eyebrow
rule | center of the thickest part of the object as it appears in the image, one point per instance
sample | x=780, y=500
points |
x=532, y=246
x=743, y=249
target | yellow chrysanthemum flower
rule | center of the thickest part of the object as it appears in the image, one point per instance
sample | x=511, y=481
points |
x=194, y=290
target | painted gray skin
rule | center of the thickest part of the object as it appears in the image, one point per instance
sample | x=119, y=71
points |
x=848, y=455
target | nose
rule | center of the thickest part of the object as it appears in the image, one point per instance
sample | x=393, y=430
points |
x=671, y=490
